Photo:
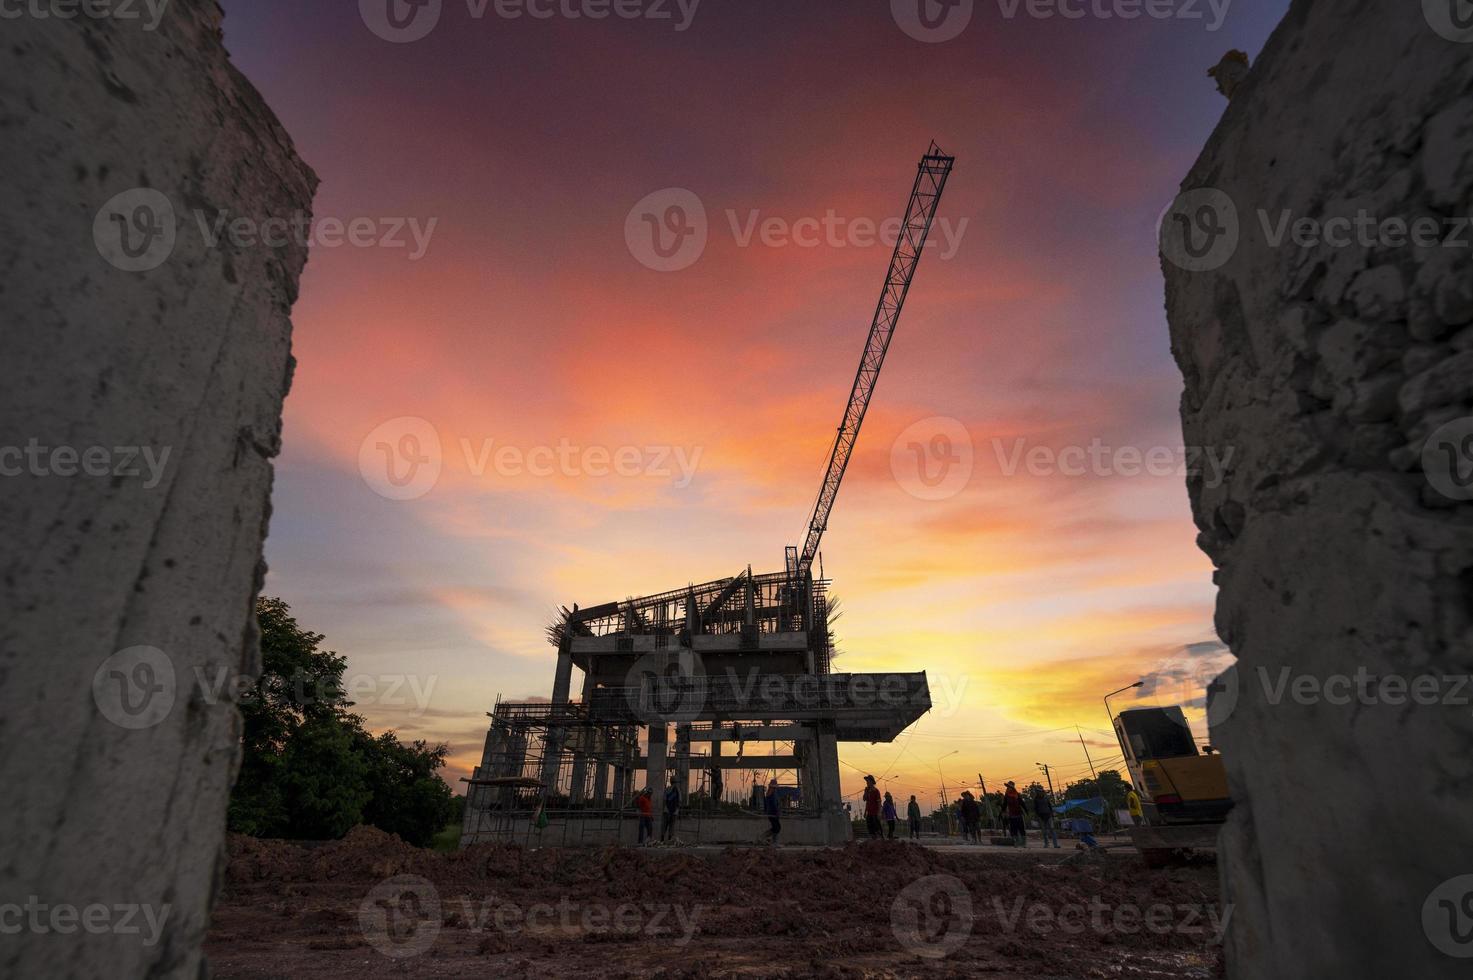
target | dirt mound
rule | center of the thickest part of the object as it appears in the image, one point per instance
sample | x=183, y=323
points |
x=1021, y=914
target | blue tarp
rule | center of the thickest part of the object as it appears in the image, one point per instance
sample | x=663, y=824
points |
x=1095, y=805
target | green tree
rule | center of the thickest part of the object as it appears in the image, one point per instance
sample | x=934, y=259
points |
x=1110, y=785
x=324, y=781
x=309, y=769
x=407, y=798
x=299, y=684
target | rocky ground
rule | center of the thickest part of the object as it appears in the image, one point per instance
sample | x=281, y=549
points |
x=373, y=906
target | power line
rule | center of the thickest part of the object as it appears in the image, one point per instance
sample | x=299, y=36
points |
x=992, y=736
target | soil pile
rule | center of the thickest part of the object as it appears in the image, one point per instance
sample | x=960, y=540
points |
x=372, y=905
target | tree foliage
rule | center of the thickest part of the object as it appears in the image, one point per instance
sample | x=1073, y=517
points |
x=1110, y=785
x=310, y=769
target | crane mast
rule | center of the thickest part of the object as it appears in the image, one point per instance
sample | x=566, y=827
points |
x=931, y=177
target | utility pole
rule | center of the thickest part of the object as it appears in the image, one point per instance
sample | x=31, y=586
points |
x=1093, y=775
x=945, y=813
x=1049, y=777
x=986, y=802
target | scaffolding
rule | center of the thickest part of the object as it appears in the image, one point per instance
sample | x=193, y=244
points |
x=562, y=775
x=546, y=760
x=746, y=605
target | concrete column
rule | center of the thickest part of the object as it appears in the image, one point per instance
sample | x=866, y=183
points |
x=837, y=828
x=561, y=686
x=116, y=772
x=513, y=764
x=622, y=786
x=716, y=761
x=562, y=683
x=475, y=801
x=682, y=760
x=1338, y=378
x=478, y=798
x=601, y=783
x=830, y=797
x=810, y=771
x=592, y=746
x=580, y=773
x=655, y=763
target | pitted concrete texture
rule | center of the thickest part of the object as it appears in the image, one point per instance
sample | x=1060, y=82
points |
x=145, y=369
x=1329, y=360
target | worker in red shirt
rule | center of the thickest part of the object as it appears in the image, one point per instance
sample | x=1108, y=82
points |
x=872, y=807
x=646, y=815
x=1012, y=806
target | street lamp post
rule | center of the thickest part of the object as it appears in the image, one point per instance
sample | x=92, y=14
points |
x=1121, y=691
x=1119, y=736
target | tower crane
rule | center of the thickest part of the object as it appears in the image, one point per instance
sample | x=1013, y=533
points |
x=934, y=169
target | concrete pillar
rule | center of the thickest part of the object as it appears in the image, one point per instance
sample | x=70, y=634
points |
x=479, y=798
x=1337, y=373
x=116, y=771
x=809, y=772
x=829, y=795
x=562, y=685
x=514, y=763
x=581, y=748
x=623, y=786
x=601, y=784
x=589, y=743
x=655, y=763
x=475, y=799
x=715, y=762
x=682, y=760
x=837, y=828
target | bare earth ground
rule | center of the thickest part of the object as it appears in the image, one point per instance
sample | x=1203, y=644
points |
x=373, y=906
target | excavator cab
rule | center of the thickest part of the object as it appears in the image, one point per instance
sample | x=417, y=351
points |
x=1177, y=783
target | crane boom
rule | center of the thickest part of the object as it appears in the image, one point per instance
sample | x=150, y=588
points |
x=931, y=177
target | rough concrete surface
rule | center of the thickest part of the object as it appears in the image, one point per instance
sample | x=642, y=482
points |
x=1325, y=365
x=116, y=770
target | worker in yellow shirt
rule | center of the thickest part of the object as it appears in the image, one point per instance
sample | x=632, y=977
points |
x=1133, y=804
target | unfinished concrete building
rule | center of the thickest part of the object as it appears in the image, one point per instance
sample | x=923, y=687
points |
x=677, y=685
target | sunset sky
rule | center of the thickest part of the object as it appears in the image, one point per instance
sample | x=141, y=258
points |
x=530, y=320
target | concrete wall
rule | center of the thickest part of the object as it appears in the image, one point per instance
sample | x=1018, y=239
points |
x=1326, y=365
x=123, y=579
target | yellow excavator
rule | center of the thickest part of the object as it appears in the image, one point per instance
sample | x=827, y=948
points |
x=1183, y=789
